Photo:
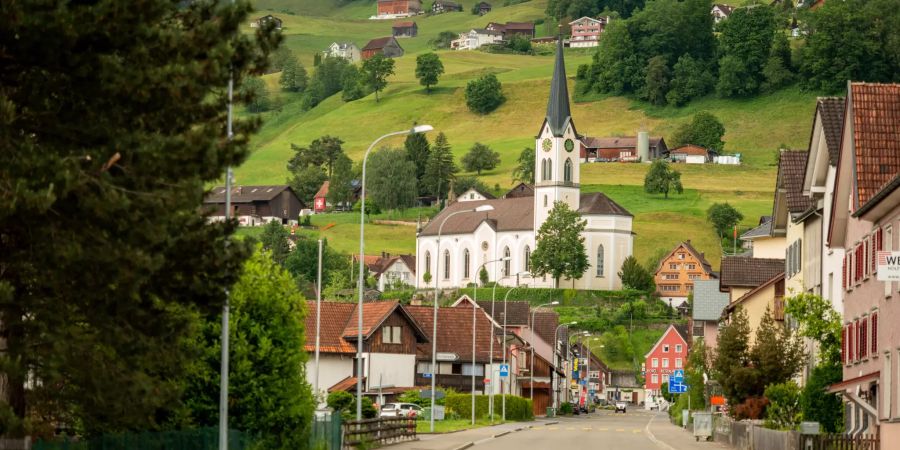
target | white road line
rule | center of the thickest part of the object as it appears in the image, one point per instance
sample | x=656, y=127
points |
x=653, y=438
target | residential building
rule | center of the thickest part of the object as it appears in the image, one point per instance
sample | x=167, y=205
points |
x=678, y=271
x=442, y=6
x=767, y=298
x=609, y=149
x=789, y=204
x=390, y=9
x=721, y=12
x=387, y=46
x=586, y=31
x=763, y=242
x=520, y=190
x=741, y=274
x=264, y=20
x=670, y=353
x=709, y=302
x=405, y=29
x=255, y=205
x=475, y=194
x=483, y=8
x=624, y=386
x=468, y=239
x=865, y=217
x=510, y=29
x=690, y=154
x=590, y=379
x=393, y=272
x=346, y=50
x=321, y=203
x=475, y=38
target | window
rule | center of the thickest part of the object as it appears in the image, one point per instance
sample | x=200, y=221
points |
x=391, y=335
x=655, y=378
x=545, y=201
x=681, y=256
x=600, y=261
x=549, y=169
x=673, y=266
x=666, y=378
x=466, y=263
x=446, y=264
x=665, y=363
x=864, y=338
x=691, y=266
x=666, y=348
x=698, y=328
x=567, y=171
x=544, y=175
x=669, y=287
x=678, y=363
x=678, y=348
x=506, y=264
x=693, y=276
x=467, y=369
x=527, y=258
x=654, y=362
x=671, y=276
x=423, y=367
x=428, y=262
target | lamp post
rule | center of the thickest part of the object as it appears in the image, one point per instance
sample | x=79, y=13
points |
x=505, y=297
x=318, y=324
x=361, y=281
x=587, y=367
x=531, y=372
x=555, y=346
x=474, y=309
x=437, y=280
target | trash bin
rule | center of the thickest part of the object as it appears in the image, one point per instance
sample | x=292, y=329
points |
x=702, y=425
x=551, y=411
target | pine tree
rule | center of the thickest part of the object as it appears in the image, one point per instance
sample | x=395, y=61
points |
x=440, y=169
x=635, y=276
x=732, y=362
x=418, y=150
x=560, y=245
x=777, y=354
x=340, y=185
x=274, y=240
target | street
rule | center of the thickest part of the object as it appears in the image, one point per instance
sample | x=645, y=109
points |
x=635, y=430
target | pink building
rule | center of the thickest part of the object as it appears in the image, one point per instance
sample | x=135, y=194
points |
x=668, y=355
x=586, y=31
x=864, y=219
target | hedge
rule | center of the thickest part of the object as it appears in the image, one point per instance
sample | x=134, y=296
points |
x=517, y=408
x=565, y=297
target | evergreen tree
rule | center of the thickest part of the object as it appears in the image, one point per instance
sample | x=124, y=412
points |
x=418, y=150
x=704, y=130
x=635, y=276
x=106, y=262
x=777, y=353
x=560, y=245
x=327, y=80
x=428, y=69
x=293, y=76
x=484, y=94
x=340, y=185
x=352, y=87
x=440, y=169
x=480, y=157
x=661, y=179
x=524, y=170
x=656, y=81
x=732, y=362
x=391, y=181
x=255, y=95
x=274, y=240
x=375, y=71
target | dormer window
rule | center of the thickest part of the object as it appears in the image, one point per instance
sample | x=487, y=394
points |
x=391, y=334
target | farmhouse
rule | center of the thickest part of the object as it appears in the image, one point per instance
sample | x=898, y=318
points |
x=262, y=21
x=255, y=205
x=475, y=38
x=721, y=12
x=388, y=9
x=586, y=32
x=346, y=50
x=507, y=229
x=629, y=148
x=676, y=273
x=690, y=153
x=387, y=46
x=442, y=6
x=405, y=29
x=510, y=29
x=483, y=8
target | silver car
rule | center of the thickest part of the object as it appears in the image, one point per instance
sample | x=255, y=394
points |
x=401, y=410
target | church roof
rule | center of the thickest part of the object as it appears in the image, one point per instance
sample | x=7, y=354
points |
x=558, y=113
x=509, y=214
x=599, y=203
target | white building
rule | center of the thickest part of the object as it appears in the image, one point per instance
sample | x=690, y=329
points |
x=721, y=12
x=475, y=38
x=346, y=50
x=397, y=271
x=469, y=239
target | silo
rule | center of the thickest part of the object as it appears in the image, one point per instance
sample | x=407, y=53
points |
x=643, y=146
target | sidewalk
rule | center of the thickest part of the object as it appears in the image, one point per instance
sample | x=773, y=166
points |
x=670, y=437
x=459, y=439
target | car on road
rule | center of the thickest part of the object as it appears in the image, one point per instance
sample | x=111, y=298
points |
x=401, y=410
x=621, y=406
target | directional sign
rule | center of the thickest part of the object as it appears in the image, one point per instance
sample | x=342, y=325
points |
x=678, y=388
x=504, y=370
x=678, y=374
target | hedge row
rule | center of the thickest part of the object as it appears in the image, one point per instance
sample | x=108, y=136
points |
x=517, y=408
x=565, y=297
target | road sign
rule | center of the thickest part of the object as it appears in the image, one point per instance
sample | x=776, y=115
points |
x=426, y=375
x=504, y=370
x=487, y=381
x=678, y=373
x=678, y=388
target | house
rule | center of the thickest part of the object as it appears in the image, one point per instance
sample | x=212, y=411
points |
x=676, y=273
x=394, y=271
x=265, y=20
x=255, y=205
x=755, y=285
x=442, y=6
x=590, y=377
x=391, y=9
x=346, y=50
x=690, y=154
x=721, y=12
x=865, y=219
x=510, y=29
x=709, y=302
x=624, y=386
x=475, y=194
x=763, y=242
x=586, y=31
x=387, y=46
x=320, y=200
x=789, y=204
x=475, y=38
x=670, y=353
x=608, y=149
x=768, y=297
x=405, y=29
x=483, y=8
x=390, y=339
x=520, y=190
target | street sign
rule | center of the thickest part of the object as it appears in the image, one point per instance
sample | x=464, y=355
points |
x=678, y=373
x=678, y=388
x=426, y=375
x=504, y=370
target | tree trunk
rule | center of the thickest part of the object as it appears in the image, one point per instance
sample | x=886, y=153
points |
x=15, y=378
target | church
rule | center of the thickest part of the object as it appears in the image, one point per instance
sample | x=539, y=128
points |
x=465, y=235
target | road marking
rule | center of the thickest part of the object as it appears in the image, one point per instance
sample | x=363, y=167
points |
x=570, y=428
x=636, y=430
x=620, y=429
x=552, y=428
x=653, y=438
x=603, y=429
x=586, y=428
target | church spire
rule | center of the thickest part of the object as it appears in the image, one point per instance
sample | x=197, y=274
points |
x=558, y=106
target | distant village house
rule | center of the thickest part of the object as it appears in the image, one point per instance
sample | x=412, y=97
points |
x=677, y=272
x=586, y=32
x=255, y=205
x=405, y=29
x=346, y=50
x=442, y=6
x=690, y=154
x=721, y=12
x=475, y=38
x=391, y=9
x=483, y=8
x=387, y=46
x=262, y=21
x=510, y=29
x=610, y=149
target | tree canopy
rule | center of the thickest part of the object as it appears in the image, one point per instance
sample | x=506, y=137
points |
x=662, y=179
x=704, y=130
x=723, y=217
x=440, y=169
x=744, y=44
x=524, y=170
x=418, y=150
x=480, y=157
x=376, y=70
x=391, y=181
x=560, y=248
x=428, y=69
x=635, y=276
x=484, y=94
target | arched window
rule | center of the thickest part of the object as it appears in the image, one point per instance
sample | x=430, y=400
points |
x=567, y=171
x=543, y=169
x=506, y=264
x=600, y=261
x=466, y=263
x=446, y=264
x=549, y=169
x=428, y=262
x=527, y=258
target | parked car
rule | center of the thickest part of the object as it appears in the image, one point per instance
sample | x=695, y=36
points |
x=621, y=406
x=401, y=410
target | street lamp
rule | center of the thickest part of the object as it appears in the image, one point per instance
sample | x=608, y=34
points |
x=531, y=372
x=555, y=345
x=491, y=357
x=437, y=280
x=362, y=284
x=505, y=297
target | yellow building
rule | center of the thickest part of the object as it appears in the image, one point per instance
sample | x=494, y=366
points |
x=677, y=272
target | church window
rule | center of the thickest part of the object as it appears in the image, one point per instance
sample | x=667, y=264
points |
x=549, y=169
x=600, y=261
x=545, y=201
x=466, y=263
x=543, y=169
x=527, y=258
x=427, y=262
x=506, y=262
x=446, y=264
x=567, y=170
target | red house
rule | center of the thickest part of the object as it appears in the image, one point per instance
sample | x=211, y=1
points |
x=669, y=354
x=320, y=201
x=399, y=8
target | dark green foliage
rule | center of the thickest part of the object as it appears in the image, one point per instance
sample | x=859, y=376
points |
x=352, y=86
x=293, y=75
x=418, y=150
x=440, y=169
x=635, y=276
x=255, y=95
x=340, y=187
x=323, y=151
x=697, y=366
x=656, y=81
x=618, y=344
x=744, y=45
x=517, y=408
x=442, y=40
x=345, y=403
x=480, y=157
x=375, y=72
x=428, y=69
x=112, y=125
x=483, y=276
x=691, y=79
x=371, y=206
x=518, y=44
x=562, y=9
x=732, y=362
x=306, y=182
x=268, y=394
x=560, y=245
x=704, y=130
x=778, y=354
x=617, y=68
x=463, y=184
x=783, y=412
x=566, y=408
x=303, y=261
x=778, y=71
x=391, y=181
x=524, y=170
x=326, y=81
x=317, y=59
x=281, y=57
x=723, y=217
x=661, y=179
x=274, y=240
x=484, y=94
x=818, y=404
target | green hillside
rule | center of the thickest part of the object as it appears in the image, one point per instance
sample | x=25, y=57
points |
x=756, y=127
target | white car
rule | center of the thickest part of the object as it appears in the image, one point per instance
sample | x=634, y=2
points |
x=400, y=410
x=621, y=406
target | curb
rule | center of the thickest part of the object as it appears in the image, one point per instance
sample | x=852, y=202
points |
x=473, y=443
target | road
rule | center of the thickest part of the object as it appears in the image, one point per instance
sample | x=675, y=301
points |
x=635, y=430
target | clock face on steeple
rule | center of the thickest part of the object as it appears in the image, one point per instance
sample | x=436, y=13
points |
x=570, y=145
x=547, y=144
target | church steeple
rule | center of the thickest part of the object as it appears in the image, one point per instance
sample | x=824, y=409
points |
x=558, y=113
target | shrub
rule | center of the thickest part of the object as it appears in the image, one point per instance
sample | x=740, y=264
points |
x=784, y=411
x=484, y=94
x=566, y=408
x=517, y=408
x=753, y=408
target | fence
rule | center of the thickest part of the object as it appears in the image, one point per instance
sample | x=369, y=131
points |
x=380, y=431
x=326, y=432
x=839, y=442
x=196, y=439
x=750, y=435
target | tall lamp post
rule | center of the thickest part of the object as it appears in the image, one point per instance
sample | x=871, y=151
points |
x=437, y=283
x=531, y=372
x=555, y=346
x=505, y=298
x=474, y=309
x=362, y=240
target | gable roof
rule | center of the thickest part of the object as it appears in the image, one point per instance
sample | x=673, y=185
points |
x=742, y=271
x=323, y=190
x=558, y=113
x=764, y=229
x=528, y=26
x=709, y=301
x=731, y=306
x=617, y=142
x=334, y=319
x=380, y=43
x=586, y=18
x=484, y=194
x=599, y=203
x=454, y=332
x=520, y=190
x=690, y=149
x=374, y=314
x=679, y=331
x=791, y=171
x=404, y=24
x=831, y=112
x=517, y=312
x=876, y=136
x=700, y=256
x=509, y=214
x=247, y=194
x=545, y=323
x=726, y=9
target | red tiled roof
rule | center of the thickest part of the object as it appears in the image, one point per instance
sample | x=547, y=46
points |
x=454, y=333
x=545, y=323
x=405, y=24
x=374, y=314
x=690, y=149
x=323, y=191
x=334, y=318
x=345, y=385
x=876, y=136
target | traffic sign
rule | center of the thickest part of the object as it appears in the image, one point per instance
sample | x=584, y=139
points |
x=504, y=370
x=426, y=375
x=678, y=388
x=678, y=373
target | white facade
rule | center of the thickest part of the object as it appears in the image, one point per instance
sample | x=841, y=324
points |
x=471, y=195
x=347, y=50
x=474, y=39
x=396, y=273
x=389, y=370
x=333, y=368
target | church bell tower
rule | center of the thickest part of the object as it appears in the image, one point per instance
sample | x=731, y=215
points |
x=557, y=150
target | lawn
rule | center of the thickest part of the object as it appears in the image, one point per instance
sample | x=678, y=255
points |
x=451, y=425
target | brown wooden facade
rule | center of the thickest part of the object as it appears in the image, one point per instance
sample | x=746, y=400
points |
x=407, y=345
x=677, y=272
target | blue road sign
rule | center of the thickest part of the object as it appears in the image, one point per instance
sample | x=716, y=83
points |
x=426, y=375
x=678, y=388
x=678, y=373
x=504, y=370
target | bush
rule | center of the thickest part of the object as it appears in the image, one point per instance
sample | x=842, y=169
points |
x=566, y=408
x=484, y=94
x=753, y=408
x=784, y=411
x=345, y=402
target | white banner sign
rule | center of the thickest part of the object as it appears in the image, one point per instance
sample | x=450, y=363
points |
x=888, y=266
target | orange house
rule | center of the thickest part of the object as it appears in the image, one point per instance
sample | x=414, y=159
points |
x=677, y=272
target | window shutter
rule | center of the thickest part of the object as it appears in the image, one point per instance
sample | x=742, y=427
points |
x=875, y=334
x=844, y=345
x=860, y=260
x=864, y=338
x=852, y=341
x=872, y=252
x=844, y=274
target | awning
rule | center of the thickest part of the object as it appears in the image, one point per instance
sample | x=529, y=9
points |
x=345, y=385
x=843, y=385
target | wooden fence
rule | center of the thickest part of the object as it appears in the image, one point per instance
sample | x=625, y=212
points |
x=751, y=435
x=839, y=442
x=380, y=431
